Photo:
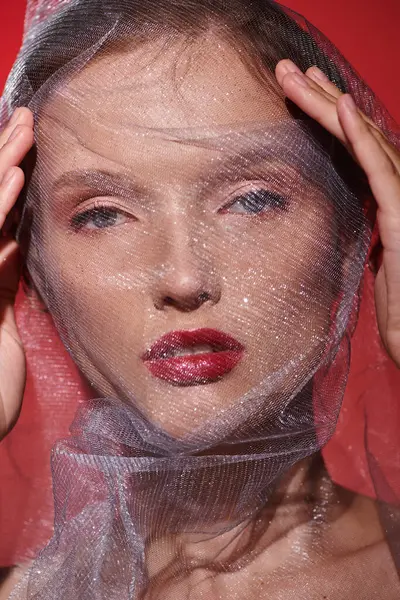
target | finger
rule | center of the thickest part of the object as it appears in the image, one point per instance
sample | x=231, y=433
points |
x=383, y=176
x=21, y=116
x=321, y=106
x=12, y=153
x=10, y=264
x=317, y=105
x=10, y=188
x=285, y=67
x=385, y=144
x=323, y=81
x=12, y=360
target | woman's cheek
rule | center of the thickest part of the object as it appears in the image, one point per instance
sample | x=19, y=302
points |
x=275, y=292
x=85, y=285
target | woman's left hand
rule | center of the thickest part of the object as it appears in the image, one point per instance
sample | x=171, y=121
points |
x=337, y=112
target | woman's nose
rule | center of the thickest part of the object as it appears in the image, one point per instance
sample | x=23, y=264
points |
x=186, y=281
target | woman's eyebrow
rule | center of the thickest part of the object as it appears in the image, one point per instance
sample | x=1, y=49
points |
x=248, y=154
x=95, y=179
x=280, y=142
x=232, y=164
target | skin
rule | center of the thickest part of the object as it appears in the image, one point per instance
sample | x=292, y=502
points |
x=381, y=163
x=178, y=234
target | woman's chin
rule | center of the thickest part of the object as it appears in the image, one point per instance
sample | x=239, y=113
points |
x=181, y=410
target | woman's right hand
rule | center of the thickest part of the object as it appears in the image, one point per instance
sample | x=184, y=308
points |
x=15, y=141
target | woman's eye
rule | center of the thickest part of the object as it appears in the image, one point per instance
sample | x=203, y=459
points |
x=99, y=218
x=255, y=202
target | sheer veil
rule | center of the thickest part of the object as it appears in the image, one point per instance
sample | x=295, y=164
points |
x=149, y=470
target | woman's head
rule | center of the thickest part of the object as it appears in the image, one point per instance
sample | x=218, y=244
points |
x=175, y=195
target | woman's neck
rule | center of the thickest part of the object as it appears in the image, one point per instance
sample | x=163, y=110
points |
x=305, y=494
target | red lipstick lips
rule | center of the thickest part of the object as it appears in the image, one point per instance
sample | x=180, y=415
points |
x=193, y=357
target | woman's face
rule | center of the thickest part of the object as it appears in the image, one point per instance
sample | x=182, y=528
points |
x=176, y=202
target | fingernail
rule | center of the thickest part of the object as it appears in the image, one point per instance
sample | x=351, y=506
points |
x=290, y=67
x=299, y=79
x=349, y=103
x=320, y=74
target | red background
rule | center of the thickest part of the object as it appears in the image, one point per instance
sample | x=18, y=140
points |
x=366, y=32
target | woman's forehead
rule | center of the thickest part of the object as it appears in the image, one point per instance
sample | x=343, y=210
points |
x=201, y=84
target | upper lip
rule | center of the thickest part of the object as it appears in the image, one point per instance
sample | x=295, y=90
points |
x=177, y=340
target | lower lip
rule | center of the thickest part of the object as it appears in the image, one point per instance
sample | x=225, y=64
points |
x=195, y=368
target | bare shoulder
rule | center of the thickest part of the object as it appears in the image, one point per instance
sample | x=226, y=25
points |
x=340, y=559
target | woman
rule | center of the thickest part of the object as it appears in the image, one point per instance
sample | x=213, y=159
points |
x=200, y=243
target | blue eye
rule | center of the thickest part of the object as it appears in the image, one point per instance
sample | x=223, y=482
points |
x=255, y=202
x=98, y=218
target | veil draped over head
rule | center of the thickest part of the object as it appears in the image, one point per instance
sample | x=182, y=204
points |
x=172, y=189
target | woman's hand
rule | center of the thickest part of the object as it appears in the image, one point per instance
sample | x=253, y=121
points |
x=337, y=112
x=15, y=142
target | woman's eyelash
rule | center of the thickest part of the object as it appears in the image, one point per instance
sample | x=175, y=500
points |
x=252, y=202
x=98, y=218
x=256, y=201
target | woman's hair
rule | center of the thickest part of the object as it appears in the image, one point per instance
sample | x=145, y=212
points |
x=118, y=23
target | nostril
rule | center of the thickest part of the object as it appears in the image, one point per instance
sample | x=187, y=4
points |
x=189, y=302
x=203, y=297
